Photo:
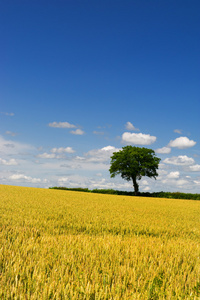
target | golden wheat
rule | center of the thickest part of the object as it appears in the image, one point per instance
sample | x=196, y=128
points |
x=73, y=245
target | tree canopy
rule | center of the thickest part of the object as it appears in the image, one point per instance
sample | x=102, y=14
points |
x=133, y=163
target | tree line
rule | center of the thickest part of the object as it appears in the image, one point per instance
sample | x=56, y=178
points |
x=170, y=195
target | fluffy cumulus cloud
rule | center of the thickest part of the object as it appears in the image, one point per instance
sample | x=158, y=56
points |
x=77, y=131
x=183, y=160
x=93, y=160
x=195, y=168
x=161, y=173
x=101, y=155
x=138, y=138
x=62, y=150
x=144, y=182
x=96, y=159
x=61, y=125
x=173, y=175
x=182, y=143
x=104, y=183
x=22, y=177
x=74, y=180
x=10, y=162
x=63, y=180
x=164, y=150
x=131, y=127
x=47, y=155
x=56, y=153
x=146, y=189
x=182, y=182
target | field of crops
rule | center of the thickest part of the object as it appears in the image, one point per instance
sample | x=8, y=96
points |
x=72, y=245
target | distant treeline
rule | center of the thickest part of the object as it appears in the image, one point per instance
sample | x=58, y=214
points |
x=174, y=195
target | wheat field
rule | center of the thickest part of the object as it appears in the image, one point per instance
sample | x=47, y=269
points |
x=74, y=245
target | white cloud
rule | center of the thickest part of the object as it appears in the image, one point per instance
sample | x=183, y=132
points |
x=108, y=148
x=74, y=181
x=179, y=160
x=144, y=182
x=182, y=143
x=22, y=177
x=77, y=132
x=173, y=175
x=80, y=158
x=93, y=160
x=103, y=183
x=101, y=155
x=185, y=185
x=46, y=155
x=138, y=138
x=62, y=150
x=63, y=180
x=181, y=182
x=195, y=168
x=161, y=172
x=164, y=150
x=197, y=182
x=146, y=188
x=178, y=131
x=61, y=125
x=10, y=162
x=129, y=126
x=55, y=151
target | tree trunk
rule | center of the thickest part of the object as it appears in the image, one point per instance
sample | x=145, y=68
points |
x=136, y=186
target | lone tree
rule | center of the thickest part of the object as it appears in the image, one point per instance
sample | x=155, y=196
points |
x=133, y=163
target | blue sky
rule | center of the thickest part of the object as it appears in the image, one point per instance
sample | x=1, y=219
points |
x=81, y=79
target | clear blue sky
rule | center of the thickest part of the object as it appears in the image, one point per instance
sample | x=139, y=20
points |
x=81, y=79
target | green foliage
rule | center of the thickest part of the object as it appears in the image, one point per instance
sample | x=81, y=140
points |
x=71, y=189
x=133, y=163
x=175, y=195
